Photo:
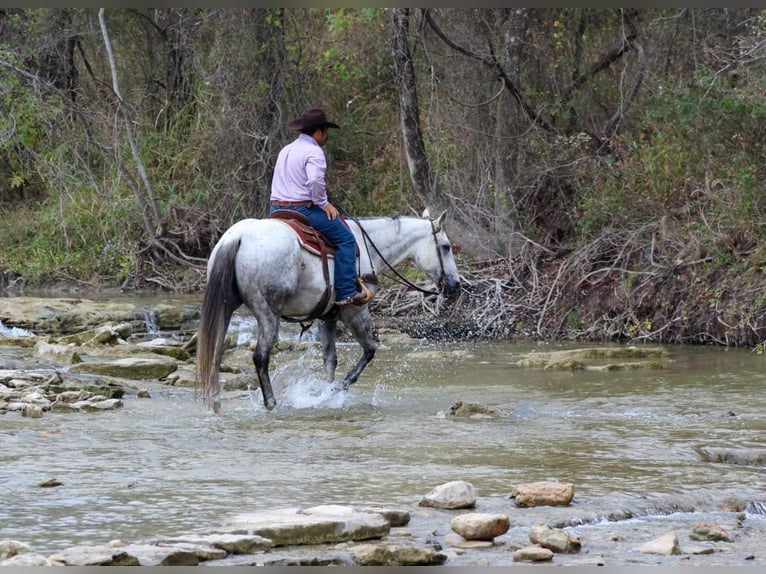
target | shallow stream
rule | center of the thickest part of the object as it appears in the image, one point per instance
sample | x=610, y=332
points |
x=628, y=440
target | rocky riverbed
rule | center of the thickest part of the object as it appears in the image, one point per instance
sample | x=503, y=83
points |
x=82, y=357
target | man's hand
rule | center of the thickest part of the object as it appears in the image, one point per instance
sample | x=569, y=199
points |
x=330, y=210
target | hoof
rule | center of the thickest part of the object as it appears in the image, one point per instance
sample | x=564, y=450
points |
x=270, y=403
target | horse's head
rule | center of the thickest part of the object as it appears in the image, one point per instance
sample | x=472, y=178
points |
x=434, y=256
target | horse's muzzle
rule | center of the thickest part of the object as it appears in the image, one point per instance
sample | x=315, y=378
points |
x=449, y=287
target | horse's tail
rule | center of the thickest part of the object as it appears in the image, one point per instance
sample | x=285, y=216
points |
x=222, y=298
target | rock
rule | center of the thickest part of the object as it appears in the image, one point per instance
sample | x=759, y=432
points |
x=708, y=531
x=180, y=554
x=666, y=545
x=118, y=553
x=94, y=556
x=163, y=347
x=55, y=352
x=102, y=335
x=396, y=555
x=556, y=540
x=134, y=368
x=532, y=554
x=168, y=317
x=10, y=548
x=316, y=525
x=573, y=359
x=32, y=412
x=459, y=542
x=70, y=315
x=35, y=398
x=475, y=410
x=232, y=543
x=93, y=405
x=28, y=559
x=480, y=526
x=451, y=495
x=544, y=493
x=739, y=456
x=395, y=516
x=62, y=315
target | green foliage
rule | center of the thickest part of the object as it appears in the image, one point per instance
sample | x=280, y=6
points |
x=211, y=91
x=74, y=239
x=695, y=152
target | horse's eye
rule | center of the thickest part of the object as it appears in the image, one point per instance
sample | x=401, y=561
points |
x=446, y=248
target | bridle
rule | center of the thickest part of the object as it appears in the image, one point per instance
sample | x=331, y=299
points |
x=400, y=278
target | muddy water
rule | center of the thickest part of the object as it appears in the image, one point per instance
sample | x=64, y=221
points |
x=628, y=440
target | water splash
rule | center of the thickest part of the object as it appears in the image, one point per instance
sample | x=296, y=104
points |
x=310, y=393
x=14, y=331
x=246, y=329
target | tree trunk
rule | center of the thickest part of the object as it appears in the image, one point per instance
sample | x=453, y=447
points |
x=409, y=116
x=509, y=117
x=159, y=227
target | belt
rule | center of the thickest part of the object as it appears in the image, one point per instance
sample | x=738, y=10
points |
x=292, y=203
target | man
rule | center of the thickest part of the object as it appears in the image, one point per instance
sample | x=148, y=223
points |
x=299, y=184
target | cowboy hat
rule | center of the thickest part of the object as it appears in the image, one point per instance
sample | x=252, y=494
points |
x=312, y=119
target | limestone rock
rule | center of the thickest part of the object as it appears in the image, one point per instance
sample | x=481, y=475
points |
x=480, y=526
x=533, y=554
x=451, y=495
x=134, y=368
x=459, y=542
x=544, y=493
x=28, y=559
x=232, y=543
x=316, y=525
x=396, y=555
x=739, y=456
x=708, y=531
x=475, y=410
x=584, y=358
x=395, y=516
x=94, y=556
x=554, y=539
x=666, y=545
x=10, y=548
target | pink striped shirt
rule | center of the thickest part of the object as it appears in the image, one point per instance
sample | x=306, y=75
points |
x=299, y=172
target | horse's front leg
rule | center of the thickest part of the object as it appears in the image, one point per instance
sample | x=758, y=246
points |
x=268, y=332
x=359, y=322
x=328, y=331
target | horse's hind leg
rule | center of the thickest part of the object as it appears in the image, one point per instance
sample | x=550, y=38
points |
x=268, y=332
x=327, y=334
x=359, y=322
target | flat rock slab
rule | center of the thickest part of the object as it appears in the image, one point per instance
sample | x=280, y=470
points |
x=232, y=543
x=180, y=554
x=316, y=525
x=134, y=368
x=63, y=315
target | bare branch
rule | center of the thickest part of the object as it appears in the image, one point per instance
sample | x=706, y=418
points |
x=493, y=63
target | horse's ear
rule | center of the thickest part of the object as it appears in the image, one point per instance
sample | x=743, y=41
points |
x=426, y=214
x=440, y=220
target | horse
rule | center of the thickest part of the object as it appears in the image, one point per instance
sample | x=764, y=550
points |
x=262, y=263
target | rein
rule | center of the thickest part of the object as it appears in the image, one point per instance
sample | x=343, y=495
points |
x=402, y=280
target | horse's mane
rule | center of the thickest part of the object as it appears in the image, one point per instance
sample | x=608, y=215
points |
x=396, y=218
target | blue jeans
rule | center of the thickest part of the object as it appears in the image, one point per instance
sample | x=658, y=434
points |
x=345, y=247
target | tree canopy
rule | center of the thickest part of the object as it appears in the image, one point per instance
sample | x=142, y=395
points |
x=131, y=138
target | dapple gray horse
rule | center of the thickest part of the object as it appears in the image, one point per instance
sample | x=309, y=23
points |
x=261, y=263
